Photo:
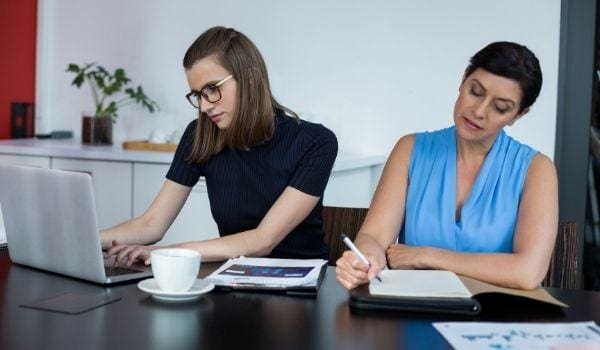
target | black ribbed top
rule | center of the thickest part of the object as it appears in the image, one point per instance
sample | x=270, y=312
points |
x=243, y=184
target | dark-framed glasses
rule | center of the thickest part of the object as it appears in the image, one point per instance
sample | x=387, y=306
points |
x=211, y=93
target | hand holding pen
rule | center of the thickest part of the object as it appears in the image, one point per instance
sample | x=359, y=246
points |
x=357, y=252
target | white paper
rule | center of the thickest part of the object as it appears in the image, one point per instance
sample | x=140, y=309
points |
x=488, y=335
x=419, y=283
x=270, y=273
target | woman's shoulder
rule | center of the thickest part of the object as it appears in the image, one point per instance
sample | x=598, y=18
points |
x=541, y=165
x=522, y=156
x=190, y=129
x=517, y=145
x=422, y=139
x=406, y=141
x=192, y=124
x=436, y=136
x=315, y=129
x=307, y=132
x=403, y=147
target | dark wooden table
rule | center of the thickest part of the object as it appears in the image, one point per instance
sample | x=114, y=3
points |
x=228, y=320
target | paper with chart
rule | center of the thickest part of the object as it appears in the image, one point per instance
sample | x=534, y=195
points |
x=491, y=335
x=268, y=272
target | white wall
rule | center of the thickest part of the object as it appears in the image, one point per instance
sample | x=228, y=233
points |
x=369, y=70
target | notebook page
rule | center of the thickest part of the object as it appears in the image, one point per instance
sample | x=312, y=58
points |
x=419, y=283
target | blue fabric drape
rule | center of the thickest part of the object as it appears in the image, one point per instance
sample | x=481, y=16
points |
x=489, y=214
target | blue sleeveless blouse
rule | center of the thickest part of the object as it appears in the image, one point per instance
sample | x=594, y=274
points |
x=489, y=214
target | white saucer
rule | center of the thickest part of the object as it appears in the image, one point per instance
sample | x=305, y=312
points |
x=198, y=288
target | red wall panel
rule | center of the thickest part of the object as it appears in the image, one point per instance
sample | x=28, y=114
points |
x=17, y=56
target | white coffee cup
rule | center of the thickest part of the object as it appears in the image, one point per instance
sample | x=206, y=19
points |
x=175, y=269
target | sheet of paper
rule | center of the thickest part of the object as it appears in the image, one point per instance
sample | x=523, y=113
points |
x=268, y=272
x=488, y=335
x=419, y=283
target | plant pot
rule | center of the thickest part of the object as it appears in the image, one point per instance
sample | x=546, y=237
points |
x=96, y=130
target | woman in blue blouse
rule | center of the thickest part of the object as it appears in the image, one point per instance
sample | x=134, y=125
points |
x=469, y=198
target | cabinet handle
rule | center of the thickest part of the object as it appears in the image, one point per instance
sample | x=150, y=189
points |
x=80, y=171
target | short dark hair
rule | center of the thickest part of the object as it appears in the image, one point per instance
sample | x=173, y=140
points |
x=513, y=61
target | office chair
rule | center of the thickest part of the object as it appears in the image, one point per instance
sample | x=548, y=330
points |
x=337, y=220
x=562, y=272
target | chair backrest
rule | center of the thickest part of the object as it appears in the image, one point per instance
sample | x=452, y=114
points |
x=562, y=272
x=337, y=220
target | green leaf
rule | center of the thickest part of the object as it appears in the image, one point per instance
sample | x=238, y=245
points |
x=101, y=71
x=106, y=84
x=120, y=75
x=111, y=109
x=73, y=68
x=79, y=78
x=99, y=80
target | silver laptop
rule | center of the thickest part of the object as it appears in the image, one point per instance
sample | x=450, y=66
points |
x=50, y=222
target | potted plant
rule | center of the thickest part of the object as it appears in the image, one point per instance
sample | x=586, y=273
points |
x=110, y=92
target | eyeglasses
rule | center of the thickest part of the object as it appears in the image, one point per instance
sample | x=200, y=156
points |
x=211, y=93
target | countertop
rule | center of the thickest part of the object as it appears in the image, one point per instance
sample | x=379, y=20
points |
x=72, y=148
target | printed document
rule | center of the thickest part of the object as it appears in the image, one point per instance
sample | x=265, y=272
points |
x=489, y=335
x=270, y=273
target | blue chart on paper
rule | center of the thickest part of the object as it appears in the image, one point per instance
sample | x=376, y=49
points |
x=267, y=271
x=504, y=336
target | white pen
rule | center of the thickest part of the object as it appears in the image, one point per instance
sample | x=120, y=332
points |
x=355, y=250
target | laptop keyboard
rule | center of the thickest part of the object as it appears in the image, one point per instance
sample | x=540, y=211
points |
x=117, y=270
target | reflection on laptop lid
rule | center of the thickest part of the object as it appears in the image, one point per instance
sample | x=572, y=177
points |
x=50, y=221
x=3, y=244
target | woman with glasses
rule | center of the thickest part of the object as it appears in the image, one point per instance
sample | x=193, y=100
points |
x=469, y=198
x=265, y=169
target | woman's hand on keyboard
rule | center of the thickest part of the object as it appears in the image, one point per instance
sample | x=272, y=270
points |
x=127, y=254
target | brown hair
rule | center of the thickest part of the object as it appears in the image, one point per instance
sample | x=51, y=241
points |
x=255, y=109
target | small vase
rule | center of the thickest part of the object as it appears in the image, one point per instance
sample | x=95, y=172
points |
x=96, y=130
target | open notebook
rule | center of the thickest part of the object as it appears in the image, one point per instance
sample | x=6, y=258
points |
x=433, y=291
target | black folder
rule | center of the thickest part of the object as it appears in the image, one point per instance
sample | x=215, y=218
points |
x=360, y=298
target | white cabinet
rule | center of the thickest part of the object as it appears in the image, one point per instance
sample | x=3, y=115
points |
x=112, y=187
x=349, y=188
x=194, y=222
x=126, y=182
x=38, y=161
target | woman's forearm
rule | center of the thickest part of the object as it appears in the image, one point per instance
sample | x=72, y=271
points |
x=503, y=269
x=247, y=243
x=135, y=231
x=370, y=246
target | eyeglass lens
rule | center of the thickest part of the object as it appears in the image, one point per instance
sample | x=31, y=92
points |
x=210, y=93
